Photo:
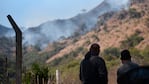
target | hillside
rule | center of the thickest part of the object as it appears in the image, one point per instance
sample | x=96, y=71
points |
x=112, y=32
x=126, y=29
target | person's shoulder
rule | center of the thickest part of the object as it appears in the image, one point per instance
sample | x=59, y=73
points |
x=134, y=64
x=84, y=61
x=94, y=58
x=120, y=69
x=100, y=58
x=97, y=59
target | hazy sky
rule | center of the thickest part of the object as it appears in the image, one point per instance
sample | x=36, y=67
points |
x=28, y=13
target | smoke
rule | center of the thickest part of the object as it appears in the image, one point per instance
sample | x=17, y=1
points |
x=118, y=4
x=58, y=28
x=10, y=34
x=53, y=30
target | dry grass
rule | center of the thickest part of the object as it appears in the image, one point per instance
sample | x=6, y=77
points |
x=117, y=31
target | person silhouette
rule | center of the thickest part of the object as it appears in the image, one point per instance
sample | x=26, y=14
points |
x=127, y=66
x=93, y=68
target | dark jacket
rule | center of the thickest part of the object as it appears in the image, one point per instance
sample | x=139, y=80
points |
x=126, y=67
x=123, y=70
x=93, y=70
x=138, y=75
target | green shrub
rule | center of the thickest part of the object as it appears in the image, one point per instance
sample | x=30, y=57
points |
x=111, y=53
x=37, y=72
x=68, y=57
x=145, y=54
x=96, y=37
x=131, y=41
x=140, y=56
x=135, y=53
x=70, y=72
x=112, y=63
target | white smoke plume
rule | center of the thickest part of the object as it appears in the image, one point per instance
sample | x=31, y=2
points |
x=54, y=30
x=119, y=4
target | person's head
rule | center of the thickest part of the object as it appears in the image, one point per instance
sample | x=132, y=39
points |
x=125, y=55
x=95, y=49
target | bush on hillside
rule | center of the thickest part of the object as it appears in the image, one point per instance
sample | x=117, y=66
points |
x=131, y=41
x=105, y=28
x=134, y=13
x=145, y=51
x=111, y=53
x=123, y=14
x=95, y=37
x=145, y=54
x=68, y=57
x=140, y=56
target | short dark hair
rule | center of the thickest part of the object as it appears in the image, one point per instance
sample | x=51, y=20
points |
x=125, y=55
x=95, y=49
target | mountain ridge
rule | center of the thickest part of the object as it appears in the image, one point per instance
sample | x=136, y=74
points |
x=66, y=27
x=111, y=32
x=51, y=31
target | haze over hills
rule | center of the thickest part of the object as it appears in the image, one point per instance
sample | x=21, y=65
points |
x=62, y=28
x=81, y=23
x=4, y=31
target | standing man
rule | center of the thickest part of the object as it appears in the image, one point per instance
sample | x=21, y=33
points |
x=92, y=68
x=127, y=65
